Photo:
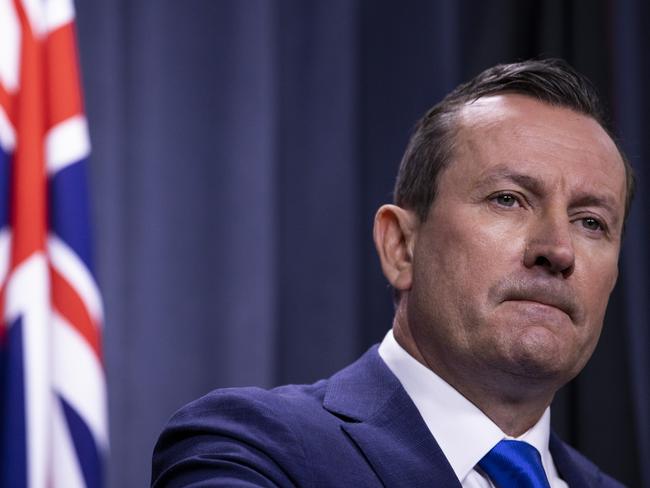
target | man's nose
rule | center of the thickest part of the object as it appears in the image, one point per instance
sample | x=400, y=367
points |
x=550, y=244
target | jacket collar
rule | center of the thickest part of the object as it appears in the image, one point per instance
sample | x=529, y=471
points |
x=383, y=422
x=571, y=466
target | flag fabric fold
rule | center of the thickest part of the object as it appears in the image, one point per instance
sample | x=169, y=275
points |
x=53, y=420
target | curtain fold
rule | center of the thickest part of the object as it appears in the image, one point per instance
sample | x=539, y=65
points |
x=631, y=78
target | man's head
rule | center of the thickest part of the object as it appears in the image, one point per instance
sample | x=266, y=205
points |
x=504, y=242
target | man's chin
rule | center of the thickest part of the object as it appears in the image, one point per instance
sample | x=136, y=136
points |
x=539, y=356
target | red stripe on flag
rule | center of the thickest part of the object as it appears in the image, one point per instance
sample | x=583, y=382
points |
x=7, y=102
x=28, y=188
x=69, y=304
x=62, y=65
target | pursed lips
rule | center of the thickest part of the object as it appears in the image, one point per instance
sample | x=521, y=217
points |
x=551, y=293
x=549, y=298
x=537, y=302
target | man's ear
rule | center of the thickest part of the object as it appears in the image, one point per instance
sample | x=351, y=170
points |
x=394, y=233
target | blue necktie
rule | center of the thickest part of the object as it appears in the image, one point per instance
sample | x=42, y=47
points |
x=514, y=464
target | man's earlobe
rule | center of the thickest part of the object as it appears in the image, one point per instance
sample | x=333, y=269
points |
x=394, y=234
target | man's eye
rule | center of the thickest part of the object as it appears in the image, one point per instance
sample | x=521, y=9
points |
x=592, y=224
x=505, y=200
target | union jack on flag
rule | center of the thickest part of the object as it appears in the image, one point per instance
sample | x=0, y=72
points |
x=53, y=427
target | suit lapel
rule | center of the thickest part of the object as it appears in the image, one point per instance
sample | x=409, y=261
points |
x=386, y=426
x=567, y=466
x=380, y=418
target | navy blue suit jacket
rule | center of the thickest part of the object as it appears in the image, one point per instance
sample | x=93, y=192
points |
x=357, y=429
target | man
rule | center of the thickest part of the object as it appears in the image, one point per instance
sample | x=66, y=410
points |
x=502, y=248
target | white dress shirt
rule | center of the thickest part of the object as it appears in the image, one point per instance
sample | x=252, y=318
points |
x=463, y=432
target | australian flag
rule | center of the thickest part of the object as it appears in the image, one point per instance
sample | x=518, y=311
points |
x=53, y=427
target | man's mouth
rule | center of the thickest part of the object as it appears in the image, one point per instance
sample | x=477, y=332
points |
x=550, y=295
x=540, y=303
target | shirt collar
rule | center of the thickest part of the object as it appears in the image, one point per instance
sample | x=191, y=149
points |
x=463, y=432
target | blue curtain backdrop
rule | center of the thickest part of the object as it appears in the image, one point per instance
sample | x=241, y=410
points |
x=240, y=149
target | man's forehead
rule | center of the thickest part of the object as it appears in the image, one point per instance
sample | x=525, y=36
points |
x=509, y=117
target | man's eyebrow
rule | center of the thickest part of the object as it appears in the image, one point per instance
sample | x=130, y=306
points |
x=602, y=201
x=529, y=182
x=536, y=186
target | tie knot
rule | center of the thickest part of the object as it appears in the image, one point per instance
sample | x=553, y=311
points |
x=513, y=464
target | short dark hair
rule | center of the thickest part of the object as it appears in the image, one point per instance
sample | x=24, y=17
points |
x=430, y=148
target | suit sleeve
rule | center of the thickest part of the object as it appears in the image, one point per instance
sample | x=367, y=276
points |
x=230, y=438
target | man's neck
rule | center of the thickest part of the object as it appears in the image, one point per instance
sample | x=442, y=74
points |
x=515, y=404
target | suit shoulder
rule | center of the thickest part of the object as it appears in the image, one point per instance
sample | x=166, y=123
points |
x=241, y=403
x=247, y=430
x=596, y=476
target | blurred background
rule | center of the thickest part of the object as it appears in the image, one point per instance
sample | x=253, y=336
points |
x=240, y=150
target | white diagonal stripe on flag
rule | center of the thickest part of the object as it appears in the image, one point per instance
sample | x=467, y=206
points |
x=10, y=42
x=79, y=379
x=67, y=471
x=66, y=143
x=58, y=13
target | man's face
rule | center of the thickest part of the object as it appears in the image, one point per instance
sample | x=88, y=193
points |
x=513, y=268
